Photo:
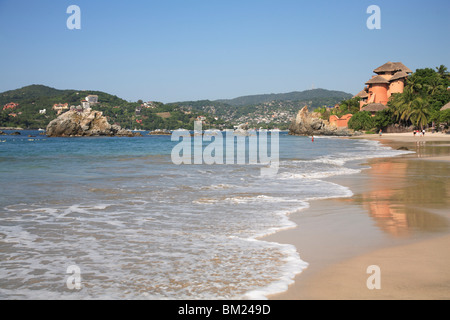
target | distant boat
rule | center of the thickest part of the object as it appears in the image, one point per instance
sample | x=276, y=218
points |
x=41, y=129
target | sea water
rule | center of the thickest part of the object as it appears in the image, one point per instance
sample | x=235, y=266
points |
x=139, y=227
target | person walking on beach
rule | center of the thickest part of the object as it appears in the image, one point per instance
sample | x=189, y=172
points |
x=423, y=132
x=381, y=132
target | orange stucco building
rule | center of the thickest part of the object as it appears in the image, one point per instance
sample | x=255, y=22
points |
x=340, y=122
x=390, y=78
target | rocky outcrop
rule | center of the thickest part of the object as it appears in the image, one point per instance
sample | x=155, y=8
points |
x=310, y=124
x=160, y=132
x=85, y=124
x=17, y=133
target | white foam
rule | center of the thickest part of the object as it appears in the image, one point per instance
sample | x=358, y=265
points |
x=203, y=241
x=218, y=186
x=293, y=266
x=318, y=175
x=260, y=198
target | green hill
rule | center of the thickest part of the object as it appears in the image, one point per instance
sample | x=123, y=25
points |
x=307, y=95
x=32, y=99
x=267, y=110
x=34, y=91
x=273, y=110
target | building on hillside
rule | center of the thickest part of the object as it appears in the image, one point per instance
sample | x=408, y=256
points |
x=373, y=108
x=390, y=78
x=86, y=105
x=446, y=107
x=92, y=99
x=149, y=104
x=341, y=122
x=88, y=102
x=60, y=107
x=364, y=95
x=11, y=106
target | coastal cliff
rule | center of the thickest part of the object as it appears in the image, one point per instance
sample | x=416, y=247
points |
x=88, y=123
x=310, y=124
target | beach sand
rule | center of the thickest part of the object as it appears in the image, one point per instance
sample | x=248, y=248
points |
x=398, y=220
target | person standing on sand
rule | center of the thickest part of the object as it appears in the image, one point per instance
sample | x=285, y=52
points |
x=381, y=132
x=423, y=132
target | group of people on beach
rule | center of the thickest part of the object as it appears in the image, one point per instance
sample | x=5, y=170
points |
x=418, y=132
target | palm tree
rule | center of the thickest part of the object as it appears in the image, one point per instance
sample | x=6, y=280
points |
x=443, y=72
x=410, y=108
x=435, y=85
x=402, y=105
x=412, y=85
x=419, y=113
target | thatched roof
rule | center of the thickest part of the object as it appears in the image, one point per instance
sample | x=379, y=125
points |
x=374, y=107
x=399, y=75
x=378, y=80
x=392, y=67
x=363, y=94
x=446, y=107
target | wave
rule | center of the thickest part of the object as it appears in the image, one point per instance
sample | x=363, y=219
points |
x=196, y=232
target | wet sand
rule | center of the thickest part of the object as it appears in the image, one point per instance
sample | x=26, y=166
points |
x=398, y=220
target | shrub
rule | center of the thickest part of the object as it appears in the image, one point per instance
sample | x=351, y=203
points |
x=361, y=121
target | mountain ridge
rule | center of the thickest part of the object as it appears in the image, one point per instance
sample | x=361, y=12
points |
x=39, y=90
x=266, y=110
x=290, y=96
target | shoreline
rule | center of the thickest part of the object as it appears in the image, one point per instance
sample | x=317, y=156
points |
x=396, y=216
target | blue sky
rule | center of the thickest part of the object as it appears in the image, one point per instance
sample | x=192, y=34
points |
x=176, y=50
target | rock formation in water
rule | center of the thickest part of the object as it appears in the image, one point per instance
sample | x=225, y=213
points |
x=310, y=124
x=88, y=123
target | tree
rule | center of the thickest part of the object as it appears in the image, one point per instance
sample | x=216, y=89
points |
x=410, y=108
x=361, y=121
x=419, y=113
x=4, y=118
x=401, y=105
x=445, y=116
x=383, y=119
x=443, y=72
x=349, y=106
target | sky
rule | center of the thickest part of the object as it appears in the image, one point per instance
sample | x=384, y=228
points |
x=178, y=50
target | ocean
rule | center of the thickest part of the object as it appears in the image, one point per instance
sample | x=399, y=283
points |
x=137, y=226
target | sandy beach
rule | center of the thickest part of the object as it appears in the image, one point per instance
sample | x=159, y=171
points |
x=398, y=220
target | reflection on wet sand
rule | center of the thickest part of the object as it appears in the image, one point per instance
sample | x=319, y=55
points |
x=403, y=193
